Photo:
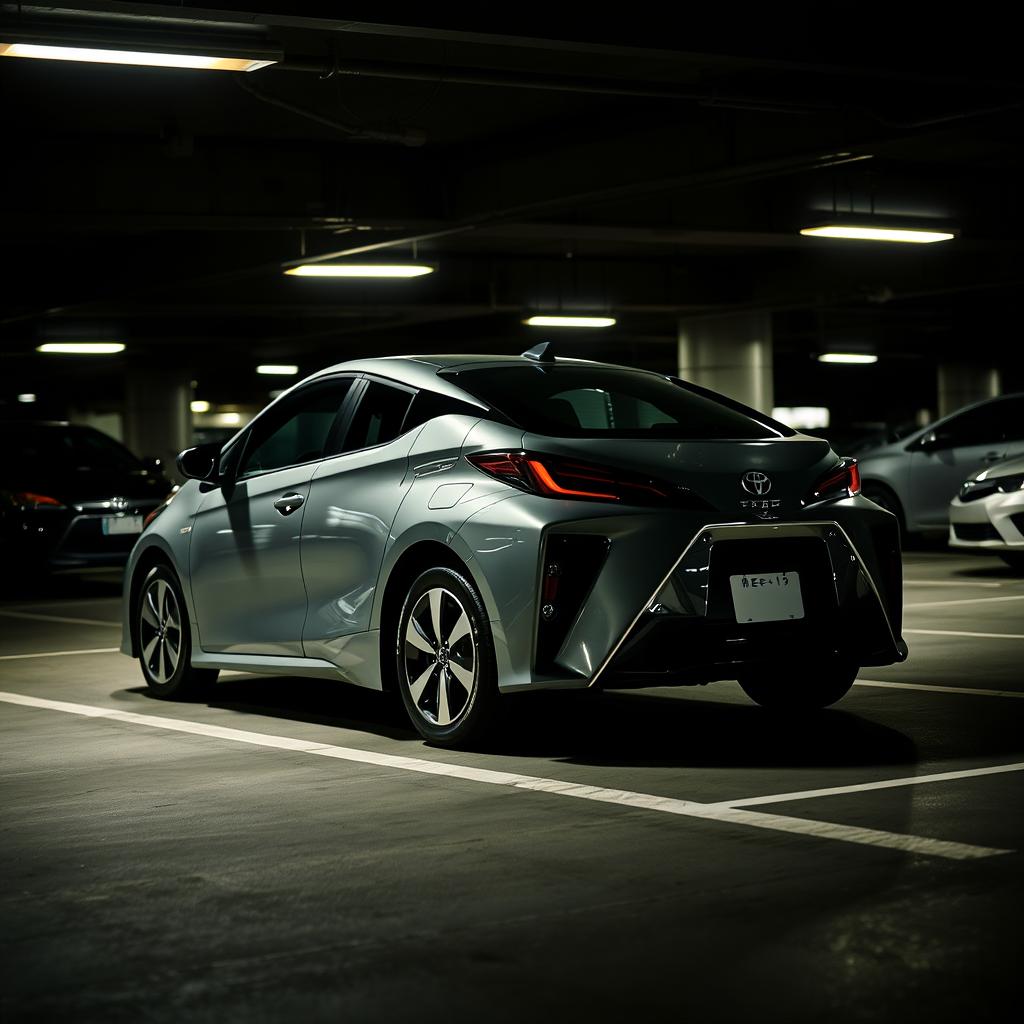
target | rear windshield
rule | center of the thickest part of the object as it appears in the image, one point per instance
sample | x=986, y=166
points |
x=601, y=401
x=36, y=448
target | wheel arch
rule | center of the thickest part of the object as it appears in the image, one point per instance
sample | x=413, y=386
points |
x=148, y=559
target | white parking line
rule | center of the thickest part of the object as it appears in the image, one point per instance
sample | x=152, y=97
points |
x=963, y=632
x=964, y=600
x=913, y=780
x=949, y=583
x=58, y=654
x=974, y=691
x=626, y=798
x=60, y=618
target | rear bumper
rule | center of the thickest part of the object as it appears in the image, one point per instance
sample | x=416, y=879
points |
x=688, y=632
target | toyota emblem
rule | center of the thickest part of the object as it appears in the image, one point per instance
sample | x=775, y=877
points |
x=756, y=482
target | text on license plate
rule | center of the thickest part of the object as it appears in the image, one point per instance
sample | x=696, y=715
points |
x=122, y=524
x=767, y=597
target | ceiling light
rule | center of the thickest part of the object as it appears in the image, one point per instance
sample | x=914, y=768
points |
x=275, y=370
x=199, y=405
x=82, y=348
x=570, y=321
x=847, y=357
x=868, y=233
x=141, y=58
x=229, y=419
x=27, y=397
x=802, y=417
x=360, y=270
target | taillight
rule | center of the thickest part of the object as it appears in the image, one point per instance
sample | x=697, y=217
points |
x=556, y=477
x=29, y=499
x=843, y=482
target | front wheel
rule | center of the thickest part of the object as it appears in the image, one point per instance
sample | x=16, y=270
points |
x=446, y=669
x=799, y=687
x=164, y=641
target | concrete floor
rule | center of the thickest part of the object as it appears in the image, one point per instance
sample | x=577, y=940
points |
x=158, y=875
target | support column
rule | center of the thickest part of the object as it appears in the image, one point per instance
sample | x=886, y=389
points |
x=962, y=383
x=158, y=415
x=731, y=354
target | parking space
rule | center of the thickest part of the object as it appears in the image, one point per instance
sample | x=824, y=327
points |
x=290, y=847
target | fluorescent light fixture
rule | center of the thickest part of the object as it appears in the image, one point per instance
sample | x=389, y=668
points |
x=360, y=270
x=867, y=233
x=847, y=357
x=570, y=321
x=802, y=417
x=139, y=58
x=27, y=397
x=82, y=348
x=277, y=370
x=199, y=405
x=229, y=419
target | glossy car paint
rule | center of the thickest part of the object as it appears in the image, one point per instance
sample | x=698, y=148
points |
x=304, y=594
x=1003, y=512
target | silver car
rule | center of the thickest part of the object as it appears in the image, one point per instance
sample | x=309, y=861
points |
x=988, y=513
x=460, y=528
x=916, y=476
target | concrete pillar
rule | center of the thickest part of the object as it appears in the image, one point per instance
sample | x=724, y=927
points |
x=962, y=383
x=731, y=354
x=158, y=415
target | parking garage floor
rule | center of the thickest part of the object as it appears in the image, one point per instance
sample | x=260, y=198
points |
x=292, y=849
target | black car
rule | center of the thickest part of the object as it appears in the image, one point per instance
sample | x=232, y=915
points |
x=72, y=496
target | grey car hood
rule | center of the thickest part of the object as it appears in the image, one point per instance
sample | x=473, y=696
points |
x=1008, y=467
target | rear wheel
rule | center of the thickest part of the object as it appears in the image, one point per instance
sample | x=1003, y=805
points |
x=799, y=687
x=164, y=641
x=446, y=671
x=885, y=497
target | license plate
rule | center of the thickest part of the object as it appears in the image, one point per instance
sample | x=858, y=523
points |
x=122, y=524
x=767, y=597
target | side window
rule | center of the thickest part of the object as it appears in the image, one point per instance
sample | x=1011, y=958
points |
x=297, y=431
x=979, y=426
x=378, y=417
x=428, y=405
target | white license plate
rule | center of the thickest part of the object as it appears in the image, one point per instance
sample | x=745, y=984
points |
x=122, y=524
x=767, y=597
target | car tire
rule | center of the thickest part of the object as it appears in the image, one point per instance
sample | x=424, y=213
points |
x=1014, y=559
x=164, y=641
x=799, y=687
x=885, y=497
x=445, y=659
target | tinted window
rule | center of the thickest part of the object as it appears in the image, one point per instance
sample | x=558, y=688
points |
x=427, y=405
x=32, y=447
x=379, y=416
x=988, y=424
x=296, y=431
x=599, y=401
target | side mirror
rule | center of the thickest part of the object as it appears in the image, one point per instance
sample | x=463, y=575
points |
x=929, y=442
x=200, y=463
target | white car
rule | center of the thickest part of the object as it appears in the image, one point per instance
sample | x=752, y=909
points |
x=988, y=513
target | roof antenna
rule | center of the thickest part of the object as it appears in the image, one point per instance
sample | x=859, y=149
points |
x=542, y=353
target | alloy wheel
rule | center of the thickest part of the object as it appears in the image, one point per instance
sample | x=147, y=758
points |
x=160, y=630
x=439, y=657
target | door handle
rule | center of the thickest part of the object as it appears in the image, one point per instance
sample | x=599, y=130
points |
x=288, y=503
x=994, y=456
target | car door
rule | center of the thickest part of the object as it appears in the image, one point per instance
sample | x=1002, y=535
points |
x=353, y=501
x=957, y=447
x=244, y=558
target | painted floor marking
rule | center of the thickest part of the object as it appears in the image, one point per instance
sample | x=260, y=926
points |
x=621, y=797
x=913, y=780
x=59, y=618
x=59, y=654
x=974, y=691
x=964, y=600
x=949, y=583
x=964, y=632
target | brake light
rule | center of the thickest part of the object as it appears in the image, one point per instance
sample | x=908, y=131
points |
x=29, y=499
x=555, y=477
x=843, y=482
